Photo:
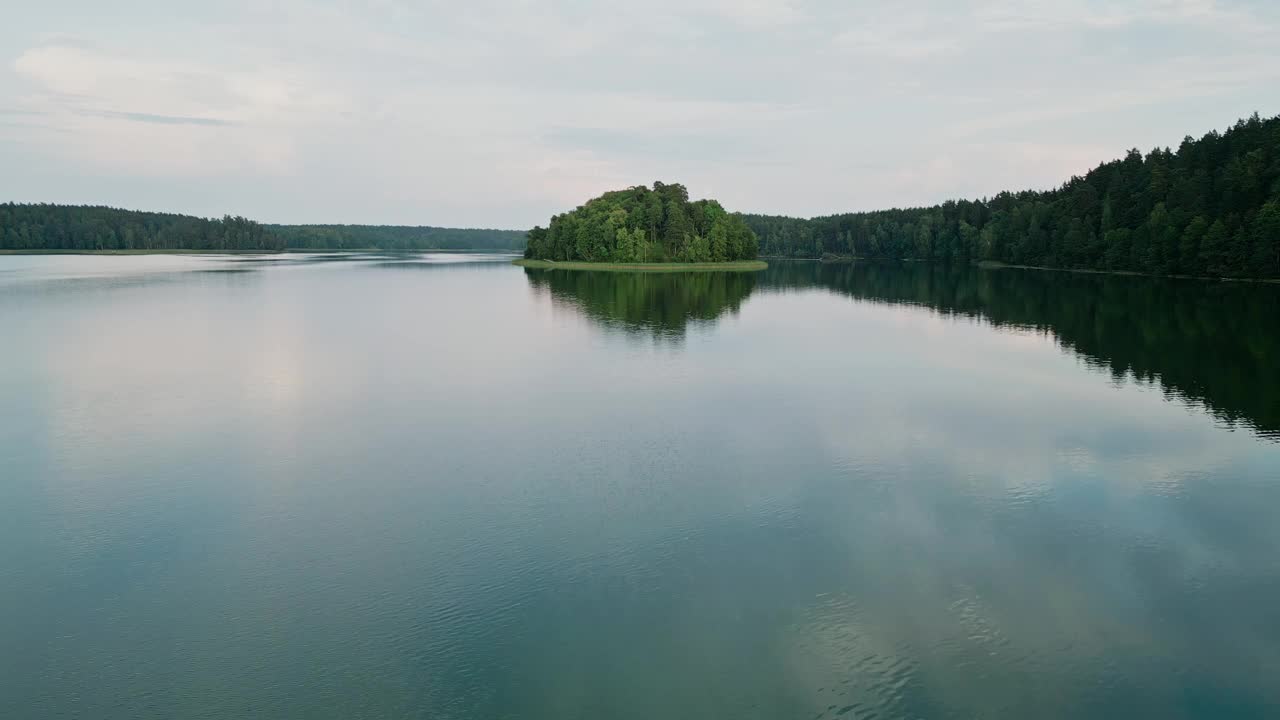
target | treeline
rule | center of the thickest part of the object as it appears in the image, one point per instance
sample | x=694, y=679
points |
x=38, y=227
x=1212, y=208
x=643, y=225
x=396, y=237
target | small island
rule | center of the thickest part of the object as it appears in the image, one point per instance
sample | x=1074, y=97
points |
x=643, y=229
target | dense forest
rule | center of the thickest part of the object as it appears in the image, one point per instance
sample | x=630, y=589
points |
x=643, y=225
x=1212, y=208
x=396, y=237
x=93, y=228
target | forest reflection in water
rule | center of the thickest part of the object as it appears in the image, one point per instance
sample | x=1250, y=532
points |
x=1209, y=343
x=416, y=484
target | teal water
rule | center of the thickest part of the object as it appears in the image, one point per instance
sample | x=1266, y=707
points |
x=439, y=486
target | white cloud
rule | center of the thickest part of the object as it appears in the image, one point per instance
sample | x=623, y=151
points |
x=171, y=86
x=752, y=13
x=1008, y=15
x=499, y=112
x=162, y=116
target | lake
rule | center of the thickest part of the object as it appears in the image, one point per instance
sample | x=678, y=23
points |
x=440, y=486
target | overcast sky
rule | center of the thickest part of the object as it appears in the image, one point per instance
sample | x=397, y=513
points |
x=497, y=113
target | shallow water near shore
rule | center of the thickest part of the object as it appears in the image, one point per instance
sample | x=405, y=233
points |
x=441, y=486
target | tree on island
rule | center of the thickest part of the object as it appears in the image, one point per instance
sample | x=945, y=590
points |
x=639, y=225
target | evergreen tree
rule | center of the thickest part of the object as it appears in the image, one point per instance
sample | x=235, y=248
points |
x=1149, y=213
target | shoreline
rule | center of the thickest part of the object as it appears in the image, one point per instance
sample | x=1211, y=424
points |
x=997, y=265
x=286, y=251
x=157, y=251
x=486, y=251
x=736, y=266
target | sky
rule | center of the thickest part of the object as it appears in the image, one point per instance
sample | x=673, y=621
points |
x=499, y=113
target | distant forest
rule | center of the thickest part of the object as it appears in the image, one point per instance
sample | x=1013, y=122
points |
x=1211, y=208
x=94, y=228
x=396, y=237
x=91, y=228
x=643, y=225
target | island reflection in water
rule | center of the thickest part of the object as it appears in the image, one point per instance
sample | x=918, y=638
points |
x=660, y=305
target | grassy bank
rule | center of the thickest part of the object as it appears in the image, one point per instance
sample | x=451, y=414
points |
x=737, y=266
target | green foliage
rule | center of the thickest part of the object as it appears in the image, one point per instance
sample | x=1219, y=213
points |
x=93, y=228
x=639, y=225
x=396, y=237
x=1211, y=208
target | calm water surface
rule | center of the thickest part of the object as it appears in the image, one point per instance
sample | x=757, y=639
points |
x=439, y=486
